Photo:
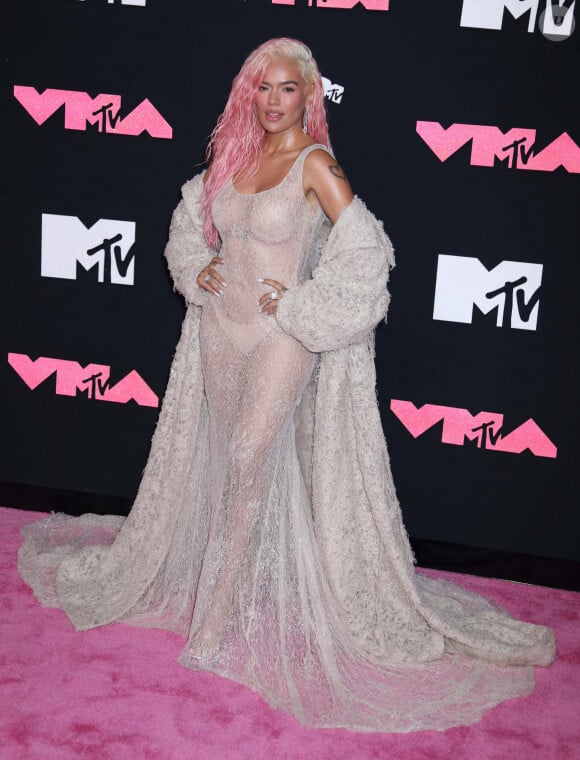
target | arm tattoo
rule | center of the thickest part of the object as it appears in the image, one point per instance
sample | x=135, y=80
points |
x=336, y=171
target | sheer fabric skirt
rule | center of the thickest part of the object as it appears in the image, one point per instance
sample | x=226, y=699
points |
x=263, y=613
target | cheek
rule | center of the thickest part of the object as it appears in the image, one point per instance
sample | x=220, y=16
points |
x=295, y=100
x=260, y=98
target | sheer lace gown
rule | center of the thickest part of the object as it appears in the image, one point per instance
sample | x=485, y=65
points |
x=253, y=598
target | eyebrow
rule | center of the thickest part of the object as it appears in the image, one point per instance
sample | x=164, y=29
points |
x=288, y=81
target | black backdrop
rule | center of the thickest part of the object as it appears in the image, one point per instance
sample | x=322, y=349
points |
x=400, y=64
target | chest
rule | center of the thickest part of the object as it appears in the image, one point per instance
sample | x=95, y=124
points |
x=271, y=172
x=271, y=216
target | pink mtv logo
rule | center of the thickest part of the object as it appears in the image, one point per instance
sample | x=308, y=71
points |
x=486, y=428
x=92, y=380
x=516, y=146
x=370, y=5
x=104, y=110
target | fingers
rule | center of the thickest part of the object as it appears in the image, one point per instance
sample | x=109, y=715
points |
x=268, y=302
x=210, y=279
x=273, y=283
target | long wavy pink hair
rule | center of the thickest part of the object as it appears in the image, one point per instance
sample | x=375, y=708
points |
x=236, y=140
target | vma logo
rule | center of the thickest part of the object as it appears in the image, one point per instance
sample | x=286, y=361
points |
x=93, y=381
x=104, y=112
x=370, y=5
x=486, y=428
x=516, y=147
x=333, y=92
x=511, y=290
x=106, y=248
x=556, y=22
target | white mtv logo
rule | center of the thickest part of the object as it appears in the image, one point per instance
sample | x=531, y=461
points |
x=66, y=242
x=511, y=287
x=556, y=21
x=333, y=92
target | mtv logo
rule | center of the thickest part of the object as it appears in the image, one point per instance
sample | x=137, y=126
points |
x=556, y=21
x=512, y=287
x=333, y=92
x=489, y=14
x=104, y=247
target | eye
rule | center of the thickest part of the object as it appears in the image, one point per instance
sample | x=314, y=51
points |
x=262, y=88
x=288, y=89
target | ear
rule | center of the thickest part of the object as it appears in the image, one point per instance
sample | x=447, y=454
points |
x=310, y=94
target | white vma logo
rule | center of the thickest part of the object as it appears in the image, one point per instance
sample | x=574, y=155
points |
x=104, y=247
x=512, y=288
x=556, y=21
x=333, y=92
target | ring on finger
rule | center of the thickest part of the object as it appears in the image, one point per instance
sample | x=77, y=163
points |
x=207, y=278
x=274, y=295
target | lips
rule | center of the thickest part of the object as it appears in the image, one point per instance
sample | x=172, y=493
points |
x=273, y=115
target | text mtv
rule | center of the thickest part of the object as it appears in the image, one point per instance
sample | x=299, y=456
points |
x=486, y=428
x=92, y=380
x=104, y=111
x=488, y=143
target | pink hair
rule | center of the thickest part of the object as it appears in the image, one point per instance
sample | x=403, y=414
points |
x=236, y=139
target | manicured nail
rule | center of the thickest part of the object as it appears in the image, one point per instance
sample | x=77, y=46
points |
x=260, y=279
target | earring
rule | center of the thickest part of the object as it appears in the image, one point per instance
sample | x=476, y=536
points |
x=305, y=121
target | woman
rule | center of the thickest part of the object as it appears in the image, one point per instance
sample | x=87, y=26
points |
x=266, y=528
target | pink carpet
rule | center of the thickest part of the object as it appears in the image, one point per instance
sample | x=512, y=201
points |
x=118, y=693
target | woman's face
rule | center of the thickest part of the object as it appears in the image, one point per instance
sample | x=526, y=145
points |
x=282, y=96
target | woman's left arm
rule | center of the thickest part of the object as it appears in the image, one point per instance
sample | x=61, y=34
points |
x=324, y=180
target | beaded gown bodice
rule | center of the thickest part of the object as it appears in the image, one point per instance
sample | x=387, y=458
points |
x=265, y=234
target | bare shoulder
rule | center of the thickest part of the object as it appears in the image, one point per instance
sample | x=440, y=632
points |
x=325, y=178
x=321, y=162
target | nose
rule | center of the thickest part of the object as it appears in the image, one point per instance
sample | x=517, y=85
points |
x=273, y=96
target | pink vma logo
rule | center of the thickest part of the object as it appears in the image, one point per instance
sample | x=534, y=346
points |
x=486, y=428
x=104, y=111
x=516, y=146
x=370, y=5
x=92, y=380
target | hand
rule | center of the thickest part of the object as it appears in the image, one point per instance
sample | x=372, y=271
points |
x=268, y=303
x=210, y=279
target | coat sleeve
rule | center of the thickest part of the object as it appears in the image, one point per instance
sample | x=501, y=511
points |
x=187, y=251
x=346, y=296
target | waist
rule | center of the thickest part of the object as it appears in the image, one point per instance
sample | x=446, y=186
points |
x=238, y=320
x=239, y=303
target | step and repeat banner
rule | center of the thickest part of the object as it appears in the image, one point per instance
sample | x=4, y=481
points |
x=457, y=123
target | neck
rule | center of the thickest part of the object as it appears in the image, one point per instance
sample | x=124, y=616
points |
x=289, y=140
